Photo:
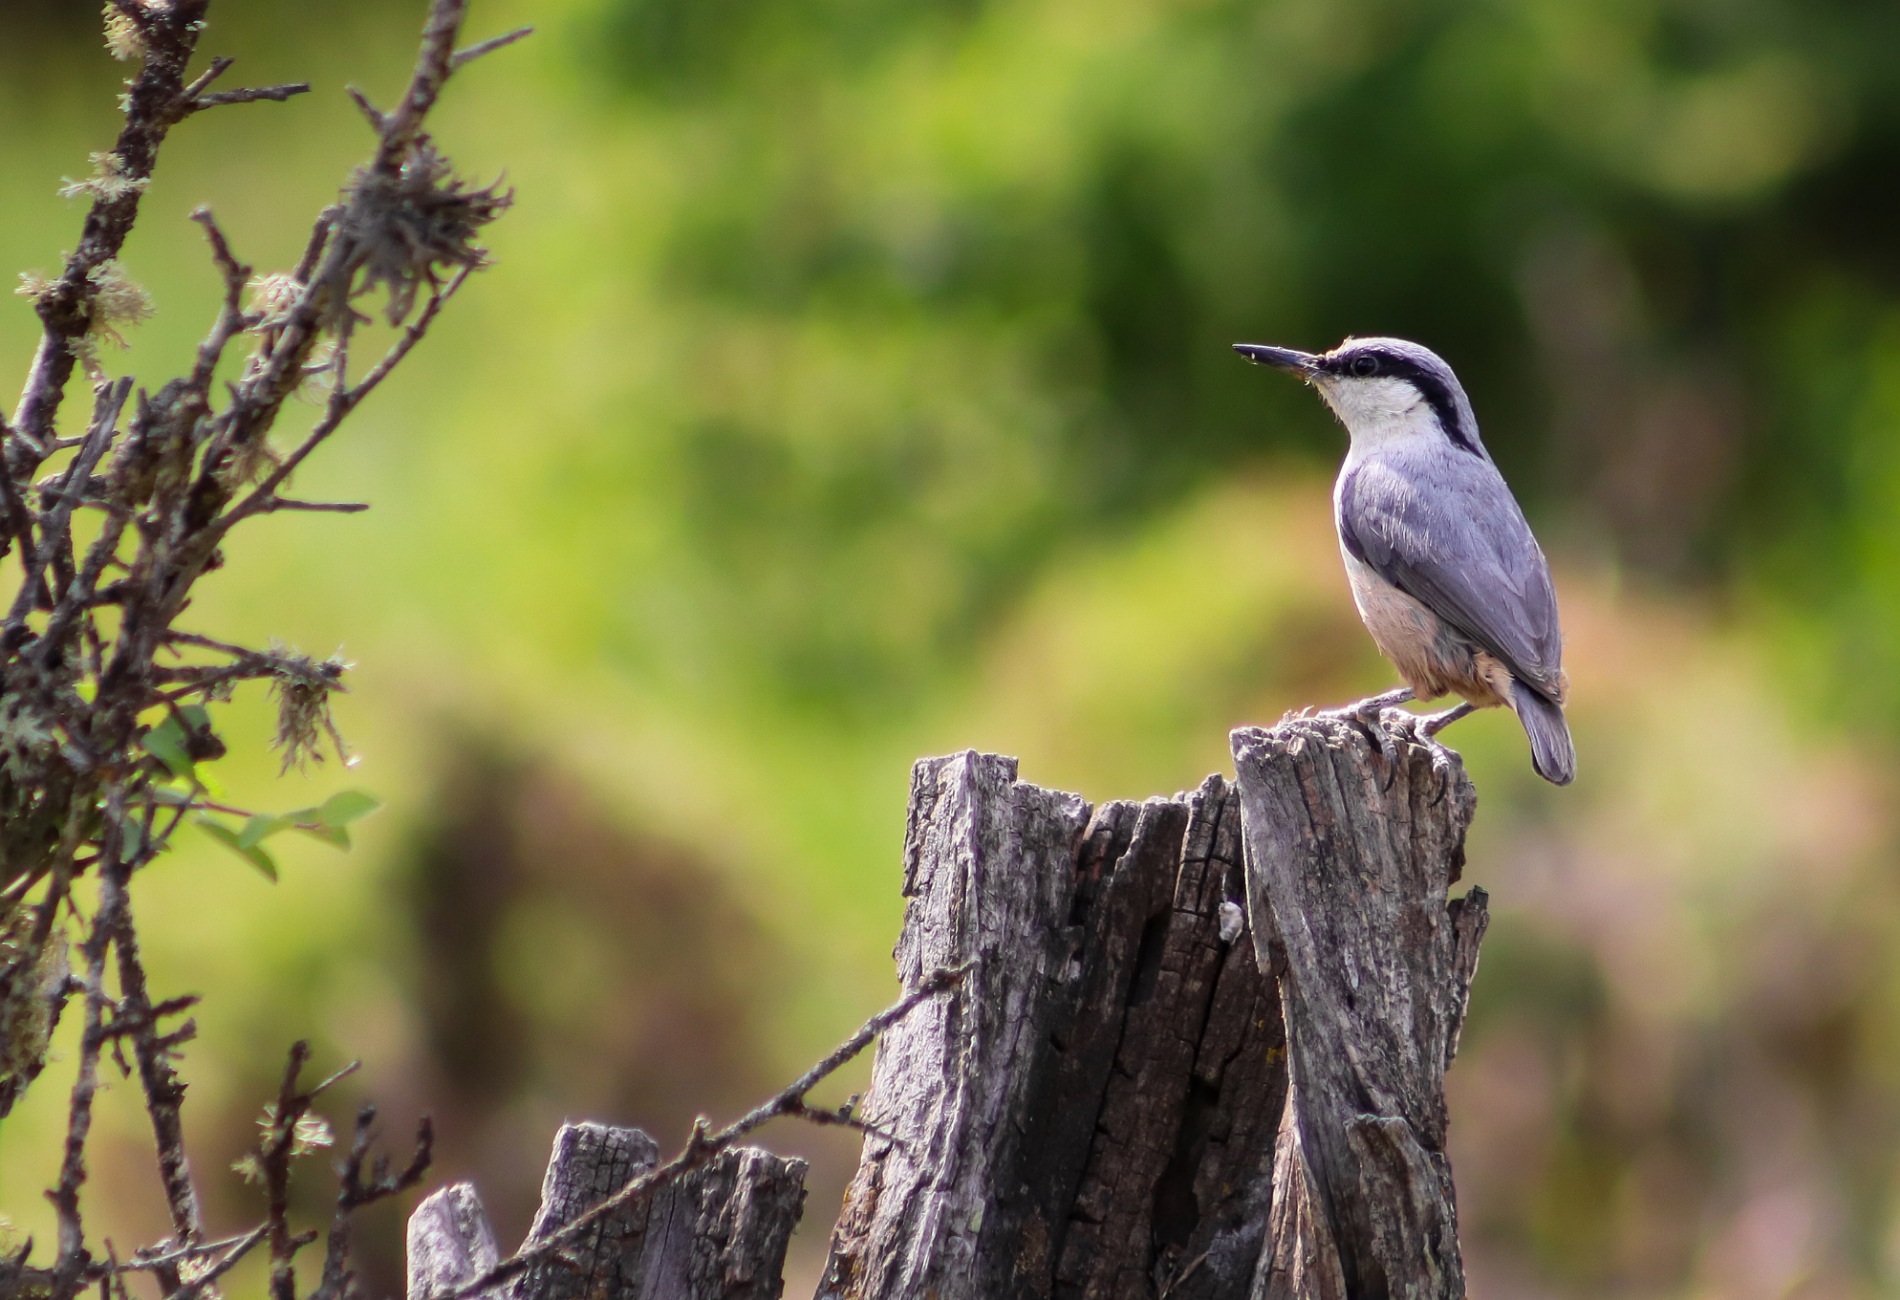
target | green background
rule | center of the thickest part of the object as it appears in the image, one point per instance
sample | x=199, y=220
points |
x=853, y=384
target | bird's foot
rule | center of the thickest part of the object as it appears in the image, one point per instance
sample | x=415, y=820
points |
x=1433, y=723
x=1370, y=713
x=1423, y=732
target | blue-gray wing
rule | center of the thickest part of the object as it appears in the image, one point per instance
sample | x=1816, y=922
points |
x=1445, y=530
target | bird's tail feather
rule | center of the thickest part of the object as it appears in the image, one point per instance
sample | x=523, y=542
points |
x=1552, y=753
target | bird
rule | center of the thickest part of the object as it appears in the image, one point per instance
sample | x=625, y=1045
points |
x=1444, y=569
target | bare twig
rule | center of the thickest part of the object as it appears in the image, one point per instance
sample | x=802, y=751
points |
x=342, y=402
x=359, y=1188
x=275, y=1156
x=317, y=507
x=164, y=1092
x=170, y=36
x=69, y=1270
x=174, y=637
x=433, y=66
x=55, y=528
x=378, y=120
x=235, y=272
x=19, y=523
x=249, y=95
x=841, y=1118
x=148, y=1258
x=219, y=66
x=489, y=46
x=201, y=1282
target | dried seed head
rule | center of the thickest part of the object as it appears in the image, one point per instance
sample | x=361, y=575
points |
x=402, y=228
x=116, y=300
x=248, y=462
x=34, y=286
x=311, y=1133
x=108, y=180
x=85, y=350
x=272, y=297
x=320, y=375
x=302, y=689
x=124, y=40
x=25, y=743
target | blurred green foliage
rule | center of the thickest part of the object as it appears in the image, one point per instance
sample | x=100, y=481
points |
x=1656, y=238
x=854, y=383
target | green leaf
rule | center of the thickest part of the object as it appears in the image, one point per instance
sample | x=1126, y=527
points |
x=259, y=828
x=198, y=716
x=166, y=743
x=207, y=783
x=346, y=806
x=254, y=854
x=131, y=839
x=335, y=836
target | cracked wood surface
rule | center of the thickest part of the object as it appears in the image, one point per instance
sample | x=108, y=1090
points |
x=718, y=1233
x=450, y=1243
x=1349, y=862
x=1093, y=1114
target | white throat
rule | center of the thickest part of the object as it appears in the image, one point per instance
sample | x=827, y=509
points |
x=1379, y=411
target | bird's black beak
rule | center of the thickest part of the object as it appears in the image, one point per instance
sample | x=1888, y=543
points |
x=1303, y=364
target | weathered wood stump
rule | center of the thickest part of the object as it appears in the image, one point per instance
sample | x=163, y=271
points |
x=1199, y=1053
x=719, y=1233
x=1093, y=1113
x=1348, y=867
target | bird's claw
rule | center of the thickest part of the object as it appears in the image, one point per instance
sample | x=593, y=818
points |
x=1384, y=723
x=1369, y=716
x=1423, y=732
x=1390, y=727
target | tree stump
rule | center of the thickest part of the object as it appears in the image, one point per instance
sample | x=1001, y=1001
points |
x=1110, y=1105
x=719, y=1233
x=1349, y=863
x=1092, y=1114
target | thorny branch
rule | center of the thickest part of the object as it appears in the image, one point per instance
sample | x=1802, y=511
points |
x=104, y=722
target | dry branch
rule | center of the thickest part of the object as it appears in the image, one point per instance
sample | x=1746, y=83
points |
x=103, y=724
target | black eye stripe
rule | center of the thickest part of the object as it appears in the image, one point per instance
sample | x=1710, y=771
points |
x=1431, y=387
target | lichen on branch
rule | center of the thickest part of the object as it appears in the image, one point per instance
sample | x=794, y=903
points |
x=108, y=699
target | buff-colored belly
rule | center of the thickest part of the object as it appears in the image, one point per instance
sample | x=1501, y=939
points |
x=1433, y=659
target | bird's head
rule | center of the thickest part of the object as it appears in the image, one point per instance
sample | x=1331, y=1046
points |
x=1382, y=389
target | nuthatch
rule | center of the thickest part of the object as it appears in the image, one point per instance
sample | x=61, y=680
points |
x=1444, y=570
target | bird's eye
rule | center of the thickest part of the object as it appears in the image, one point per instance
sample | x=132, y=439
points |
x=1365, y=365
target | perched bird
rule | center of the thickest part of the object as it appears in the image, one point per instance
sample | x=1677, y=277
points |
x=1444, y=570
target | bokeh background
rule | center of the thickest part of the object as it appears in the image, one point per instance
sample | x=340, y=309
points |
x=853, y=384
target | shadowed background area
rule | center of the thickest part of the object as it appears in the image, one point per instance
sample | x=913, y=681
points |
x=853, y=384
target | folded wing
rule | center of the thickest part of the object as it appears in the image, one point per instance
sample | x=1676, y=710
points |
x=1447, y=532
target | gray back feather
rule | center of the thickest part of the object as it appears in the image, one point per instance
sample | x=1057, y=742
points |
x=1444, y=529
